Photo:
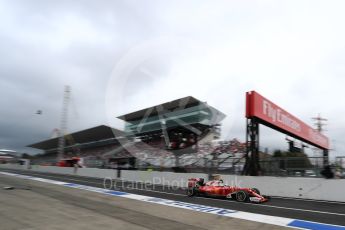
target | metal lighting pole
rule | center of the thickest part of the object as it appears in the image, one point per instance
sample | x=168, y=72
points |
x=63, y=122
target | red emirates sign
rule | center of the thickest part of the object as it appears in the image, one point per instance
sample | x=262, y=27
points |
x=277, y=118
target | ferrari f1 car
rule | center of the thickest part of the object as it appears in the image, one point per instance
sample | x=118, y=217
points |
x=216, y=188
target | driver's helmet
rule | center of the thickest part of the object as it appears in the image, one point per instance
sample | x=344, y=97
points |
x=215, y=183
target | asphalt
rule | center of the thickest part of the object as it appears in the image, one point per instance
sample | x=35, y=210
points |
x=311, y=210
x=37, y=205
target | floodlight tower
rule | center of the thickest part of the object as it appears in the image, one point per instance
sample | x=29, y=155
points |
x=63, y=122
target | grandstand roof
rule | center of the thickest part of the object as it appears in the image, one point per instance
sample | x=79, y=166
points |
x=7, y=152
x=97, y=133
x=184, y=102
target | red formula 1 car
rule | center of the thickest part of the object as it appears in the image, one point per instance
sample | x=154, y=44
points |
x=216, y=188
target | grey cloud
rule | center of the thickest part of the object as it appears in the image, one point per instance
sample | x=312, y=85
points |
x=292, y=57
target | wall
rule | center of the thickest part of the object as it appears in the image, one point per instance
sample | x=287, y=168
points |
x=295, y=187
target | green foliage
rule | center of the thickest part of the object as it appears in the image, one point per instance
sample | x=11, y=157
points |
x=292, y=160
x=277, y=153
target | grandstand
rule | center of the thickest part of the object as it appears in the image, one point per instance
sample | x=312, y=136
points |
x=7, y=156
x=170, y=134
x=97, y=146
x=183, y=132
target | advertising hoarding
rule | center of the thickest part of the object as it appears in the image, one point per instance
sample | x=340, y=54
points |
x=277, y=118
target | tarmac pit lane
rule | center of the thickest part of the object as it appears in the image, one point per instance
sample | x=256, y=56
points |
x=47, y=206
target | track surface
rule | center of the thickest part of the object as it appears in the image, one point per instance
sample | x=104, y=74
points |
x=40, y=206
x=318, y=211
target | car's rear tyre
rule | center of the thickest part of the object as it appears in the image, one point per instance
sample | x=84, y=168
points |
x=257, y=191
x=242, y=196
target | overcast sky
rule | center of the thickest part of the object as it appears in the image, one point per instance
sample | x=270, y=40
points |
x=149, y=52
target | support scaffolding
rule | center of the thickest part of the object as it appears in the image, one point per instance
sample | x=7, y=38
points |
x=252, y=165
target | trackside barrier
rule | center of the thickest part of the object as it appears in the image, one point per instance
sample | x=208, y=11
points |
x=294, y=187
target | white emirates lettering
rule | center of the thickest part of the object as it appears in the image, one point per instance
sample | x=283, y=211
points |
x=277, y=115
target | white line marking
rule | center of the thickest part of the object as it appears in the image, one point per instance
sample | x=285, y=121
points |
x=310, y=200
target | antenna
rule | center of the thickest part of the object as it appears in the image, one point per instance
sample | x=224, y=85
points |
x=320, y=123
x=63, y=122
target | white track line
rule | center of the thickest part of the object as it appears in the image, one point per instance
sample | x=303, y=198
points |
x=309, y=200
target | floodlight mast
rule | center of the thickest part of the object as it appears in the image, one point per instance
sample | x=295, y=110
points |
x=63, y=122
